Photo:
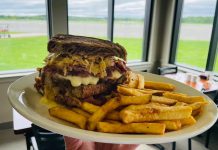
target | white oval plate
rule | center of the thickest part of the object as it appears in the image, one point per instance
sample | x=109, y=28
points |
x=24, y=98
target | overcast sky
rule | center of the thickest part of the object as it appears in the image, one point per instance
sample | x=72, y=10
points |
x=98, y=8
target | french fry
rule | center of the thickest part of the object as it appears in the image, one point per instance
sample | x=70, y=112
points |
x=153, y=104
x=159, y=86
x=129, y=91
x=140, y=81
x=188, y=121
x=193, y=99
x=136, y=113
x=197, y=105
x=150, y=91
x=172, y=125
x=197, y=111
x=112, y=121
x=113, y=115
x=91, y=108
x=81, y=112
x=184, y=98
x=68, y=115
x=163, y=100
x=128, y=100
x=180, y=104
x=145, y=128
x=102, y=112
x=132, y=80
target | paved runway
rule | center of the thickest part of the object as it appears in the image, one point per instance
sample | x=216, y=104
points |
x=36, y=28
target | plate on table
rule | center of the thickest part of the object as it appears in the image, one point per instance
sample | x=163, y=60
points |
x=25, y=99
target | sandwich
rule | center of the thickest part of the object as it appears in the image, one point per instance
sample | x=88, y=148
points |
x=81, y=69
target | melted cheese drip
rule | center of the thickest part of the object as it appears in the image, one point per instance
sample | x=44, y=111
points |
x=77, y=81
x=116, y=75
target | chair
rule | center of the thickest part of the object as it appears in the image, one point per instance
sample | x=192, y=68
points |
x=213, y=96
x=46, y=140
x=167, y=70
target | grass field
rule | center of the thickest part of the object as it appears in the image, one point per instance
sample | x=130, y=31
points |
x=29, y=52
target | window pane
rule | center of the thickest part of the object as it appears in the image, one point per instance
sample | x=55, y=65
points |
x=23, y=34
x=88, y=17
x=216, y=62
x=128, y=26
x=195, y=32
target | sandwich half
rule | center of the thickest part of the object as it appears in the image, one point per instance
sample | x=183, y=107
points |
x=80, y=68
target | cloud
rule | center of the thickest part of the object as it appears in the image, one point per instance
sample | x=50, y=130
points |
x=99, y=8
x=199, y=8
x=23, y=7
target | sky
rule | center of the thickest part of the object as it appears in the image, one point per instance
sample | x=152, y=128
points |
x=98, y=8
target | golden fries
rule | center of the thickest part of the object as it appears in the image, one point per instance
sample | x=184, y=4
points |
x=163, y=100
x=159, y=86
x=188, y=121
x=172, y=125
x=113, y=115
x=139, y=106
x=81, y=112
x=184, y=98
x=146, y=128
x=68, y=115
x=137, y=114
x=132, y=80
x=128, y=100
x=197, y=105
x=140, y=81
x=129, y=91
x=101, y=113
x=150, y=91
x=89, y=107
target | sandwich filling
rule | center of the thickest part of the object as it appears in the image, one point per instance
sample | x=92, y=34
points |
x=71, y=78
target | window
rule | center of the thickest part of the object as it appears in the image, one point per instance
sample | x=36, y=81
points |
x=129, y=26
x=216, y=62
x=195, y=33
x=88, y=17
x=23, y=34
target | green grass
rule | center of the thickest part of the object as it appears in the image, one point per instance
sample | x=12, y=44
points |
x=22, y=53
x=133, y=47
x=29, y=52
x=193, y=53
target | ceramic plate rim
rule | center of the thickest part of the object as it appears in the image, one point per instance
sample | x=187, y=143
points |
x=15, y=98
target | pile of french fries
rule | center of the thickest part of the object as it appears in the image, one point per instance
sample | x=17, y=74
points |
x=144, y=107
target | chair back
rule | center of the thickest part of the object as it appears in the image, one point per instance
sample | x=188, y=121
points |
x=167, y=70
x=47, y=140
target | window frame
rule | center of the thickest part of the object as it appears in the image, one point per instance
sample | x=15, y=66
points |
x=57, y=22
x=211, y=58
x=146, y=26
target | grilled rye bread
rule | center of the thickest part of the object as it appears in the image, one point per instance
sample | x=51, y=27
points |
x=80, y=68
x=85, y=46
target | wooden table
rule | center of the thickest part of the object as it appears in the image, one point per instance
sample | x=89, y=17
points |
x=204, y=86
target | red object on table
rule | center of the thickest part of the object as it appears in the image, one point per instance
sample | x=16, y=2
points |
x=201, y=85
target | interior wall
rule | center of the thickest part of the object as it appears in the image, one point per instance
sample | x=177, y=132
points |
x=5, y=107
x=162, y=23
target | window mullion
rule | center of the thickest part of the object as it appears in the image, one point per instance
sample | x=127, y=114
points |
x=57, y=12
x=110, y=20
x=147, y=28
x=175, y=32
x=211, y=58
